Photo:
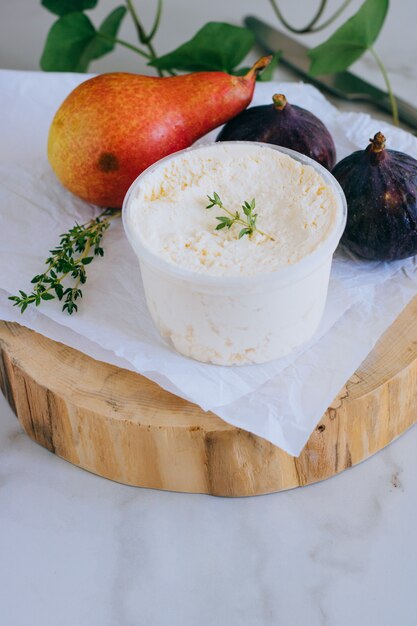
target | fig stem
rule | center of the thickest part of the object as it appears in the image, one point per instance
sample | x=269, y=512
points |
x=393, y=101
x=378, y=143
x=280, y=101
x=260, y=65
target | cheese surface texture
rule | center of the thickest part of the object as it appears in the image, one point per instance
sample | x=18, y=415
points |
x=295, y=207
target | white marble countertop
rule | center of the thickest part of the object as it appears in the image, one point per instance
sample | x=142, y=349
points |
x=78, y=550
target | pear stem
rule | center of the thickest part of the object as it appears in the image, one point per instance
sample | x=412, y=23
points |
x=259, y=66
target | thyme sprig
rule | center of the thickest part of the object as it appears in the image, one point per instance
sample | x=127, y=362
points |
x=248, y=221
x=76, y=249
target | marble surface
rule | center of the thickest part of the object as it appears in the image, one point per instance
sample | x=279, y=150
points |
x=78, y=550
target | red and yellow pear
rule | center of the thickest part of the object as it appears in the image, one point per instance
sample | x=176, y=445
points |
x=113, y=126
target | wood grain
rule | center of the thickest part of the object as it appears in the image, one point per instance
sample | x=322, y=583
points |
x=124, y=427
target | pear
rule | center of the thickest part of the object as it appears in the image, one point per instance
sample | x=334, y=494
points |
x=113, y=126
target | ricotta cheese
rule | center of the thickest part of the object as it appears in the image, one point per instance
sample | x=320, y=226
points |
x=221, y=299
x=293, y=202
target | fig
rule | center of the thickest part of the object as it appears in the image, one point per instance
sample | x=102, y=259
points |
x=283, y=124
x=380, y=186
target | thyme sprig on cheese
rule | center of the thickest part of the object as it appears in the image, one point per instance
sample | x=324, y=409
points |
x=248, y=221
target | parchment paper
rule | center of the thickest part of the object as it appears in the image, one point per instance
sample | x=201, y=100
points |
x=281, y=401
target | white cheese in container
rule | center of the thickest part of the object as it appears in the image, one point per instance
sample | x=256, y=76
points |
x=223, y=299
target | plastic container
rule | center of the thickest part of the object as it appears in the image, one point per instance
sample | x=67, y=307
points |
x=229, y=320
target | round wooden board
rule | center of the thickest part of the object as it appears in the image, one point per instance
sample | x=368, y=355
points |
x=122, y=426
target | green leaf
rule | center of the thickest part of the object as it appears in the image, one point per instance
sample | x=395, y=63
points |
x=109, y=28
x=246, y=210
x=59, y=290
x=62, y=7
x=87, y=260
x=268, y=72
x=73, y=41
x=351, y=40
x=216, y=46
x=245, y=231
x=47, y=296
x=241, y=71
x=67, y=43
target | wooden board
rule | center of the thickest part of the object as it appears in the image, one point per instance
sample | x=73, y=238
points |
x=122, y=426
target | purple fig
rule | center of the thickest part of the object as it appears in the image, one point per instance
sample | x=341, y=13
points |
x=283, y=124
x=380, y=186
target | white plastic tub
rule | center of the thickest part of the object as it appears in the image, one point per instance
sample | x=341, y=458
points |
x=231, y=320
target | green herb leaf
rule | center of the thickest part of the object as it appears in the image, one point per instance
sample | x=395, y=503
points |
x=47, y=296
x=67, y=262
x=73, y=41
x=216, y=46
x=351, y=40
x=246, y=208
x=62, y=7
x=245, y=231
x=235, y=218
x=59, y=290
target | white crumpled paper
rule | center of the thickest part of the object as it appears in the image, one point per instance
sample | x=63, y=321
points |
x=281, y=401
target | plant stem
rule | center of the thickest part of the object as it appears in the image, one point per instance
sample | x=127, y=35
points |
x=145, y=38
x=332, y=18
x=82, y=256
x=121, y=42
x=311, y=26
x=393, y=102
x=305, y=29
x=108, y=215
x=136, y=21
x=69, y=259
x=61, y=278
x=156, y=22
